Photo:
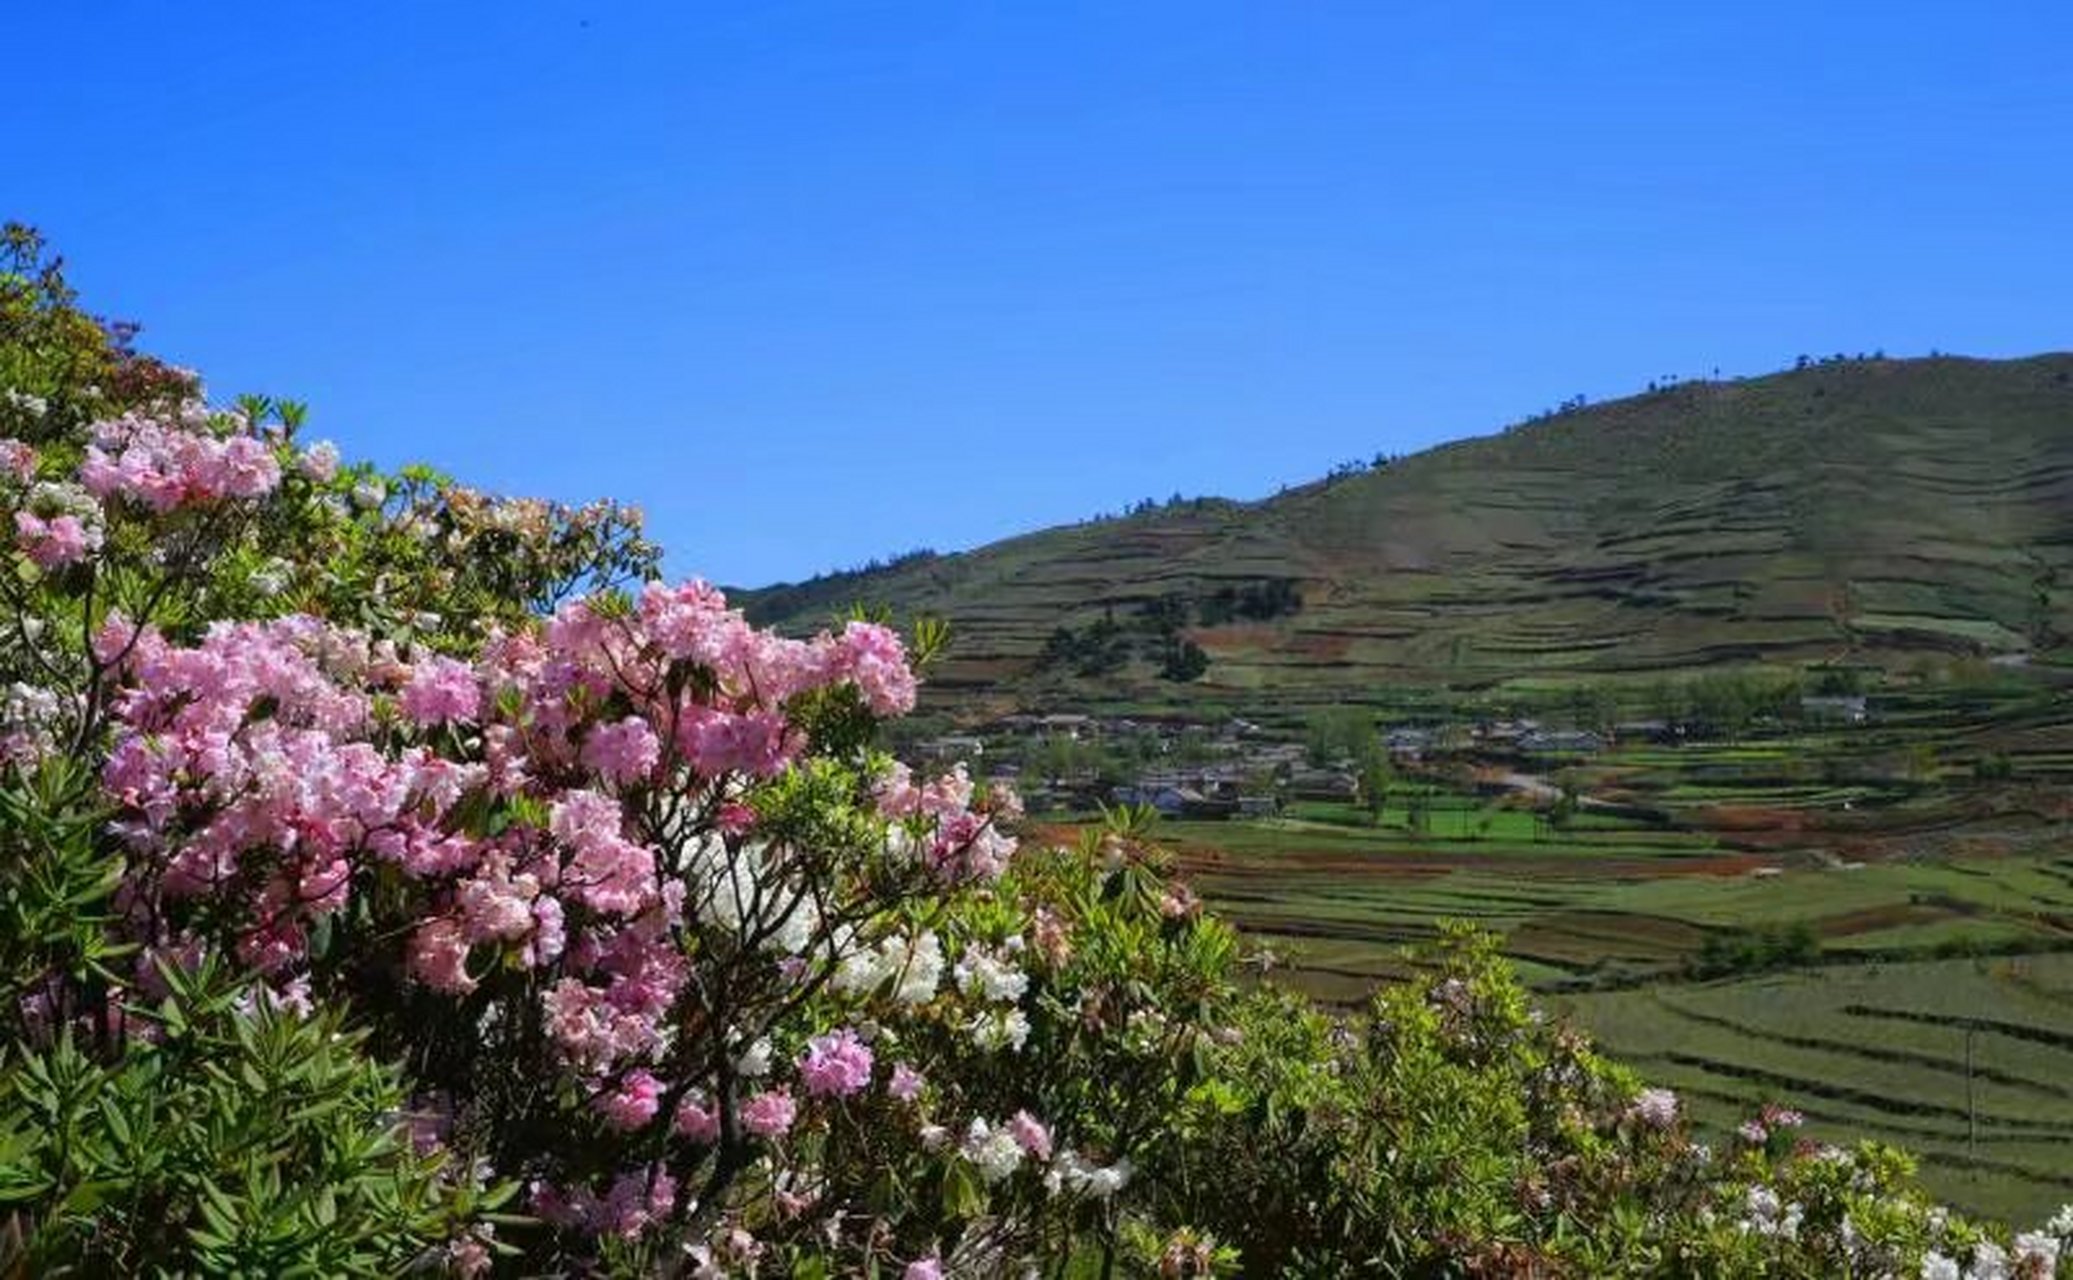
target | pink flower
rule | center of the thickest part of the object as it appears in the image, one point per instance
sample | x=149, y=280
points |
x=929, y=1268
x=759, y=743
x=441, y=689
x=319, y=462
x=607, y=873
x=622, y=752
x=697, y=1119
x=769, y=1114
x=1030, y=1135
x=166, y=467
x=872, y=657
x=835, y=1065
x=439, y=957
x=906, y=1083
x=497, y=907
x=634, y=1103
x=18, y=460
x=56, y=542
x=468, y=1257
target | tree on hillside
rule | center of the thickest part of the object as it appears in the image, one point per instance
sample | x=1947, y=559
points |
x=1374, y=778
x=1333, y=734
x=1183, y=660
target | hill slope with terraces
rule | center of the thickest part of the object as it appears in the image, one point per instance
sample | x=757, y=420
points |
x=1869, y=508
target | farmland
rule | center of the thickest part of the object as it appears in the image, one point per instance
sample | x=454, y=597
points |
x=1892, y=909
x=1879, y=1051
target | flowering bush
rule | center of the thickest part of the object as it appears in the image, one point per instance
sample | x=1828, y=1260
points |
x=579, y=926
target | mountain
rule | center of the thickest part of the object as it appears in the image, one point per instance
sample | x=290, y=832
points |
x=1865, y=508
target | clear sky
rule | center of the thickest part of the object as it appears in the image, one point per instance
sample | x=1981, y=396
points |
x=817, y=282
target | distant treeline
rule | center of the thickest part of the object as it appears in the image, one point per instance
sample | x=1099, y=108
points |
x=1152, y=631
x=828, y=590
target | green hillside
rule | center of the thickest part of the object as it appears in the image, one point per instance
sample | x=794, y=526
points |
x=1870, y=507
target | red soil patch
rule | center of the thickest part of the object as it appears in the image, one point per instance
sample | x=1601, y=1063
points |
x=1873, y=919
x=1740, y=818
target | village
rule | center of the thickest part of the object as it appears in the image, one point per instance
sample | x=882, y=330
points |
x=1071, y=762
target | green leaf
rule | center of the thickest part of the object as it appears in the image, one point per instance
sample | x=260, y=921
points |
x=963, y=1196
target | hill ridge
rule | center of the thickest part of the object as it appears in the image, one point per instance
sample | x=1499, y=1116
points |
x=1884, y=508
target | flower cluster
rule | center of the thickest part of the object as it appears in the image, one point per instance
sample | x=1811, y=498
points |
x=567, y=829
x=166, y=467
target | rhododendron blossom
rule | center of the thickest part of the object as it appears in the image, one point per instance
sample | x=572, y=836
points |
x=566, y=831
x=697, y=1119
x=835, y=1065
x=995, y=1152
x=165, y=467
x=633, y=1103
x=1031, y=1135
x=906, y=1083
x=441, y=689
x=769, y=1114
x=1656, y=1107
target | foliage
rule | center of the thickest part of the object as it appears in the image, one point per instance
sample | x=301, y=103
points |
x=232, y=1137
x=1334, y=734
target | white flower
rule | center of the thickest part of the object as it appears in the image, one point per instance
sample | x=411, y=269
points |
x=272, y=578
x=1768, y=1216
x=1656, y=1108
x=861, y=971
x=920, y=970
x=993, y=1151
x=1989, y=1262
x=980, y=973
x=915, y=968
x=1936, y=1266
x=2038, y=1248
x=994, y=1031
x=754, y=1060
x=2061, y=1224
x=1073, y=1172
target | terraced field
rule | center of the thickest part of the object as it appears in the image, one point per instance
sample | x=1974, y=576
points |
x=1880, y=508
x=1880, y=1051
x=1927, y=904
x=1339, y=904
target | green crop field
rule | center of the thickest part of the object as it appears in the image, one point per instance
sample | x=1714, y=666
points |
x=1879, y=1052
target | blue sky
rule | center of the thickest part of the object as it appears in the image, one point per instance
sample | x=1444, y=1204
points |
x=819, y=282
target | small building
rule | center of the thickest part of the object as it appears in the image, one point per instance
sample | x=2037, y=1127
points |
x=1407, y=743
x=1835, y=708
x=1323, y=784
x=1561, y=742
x=1072, y=726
